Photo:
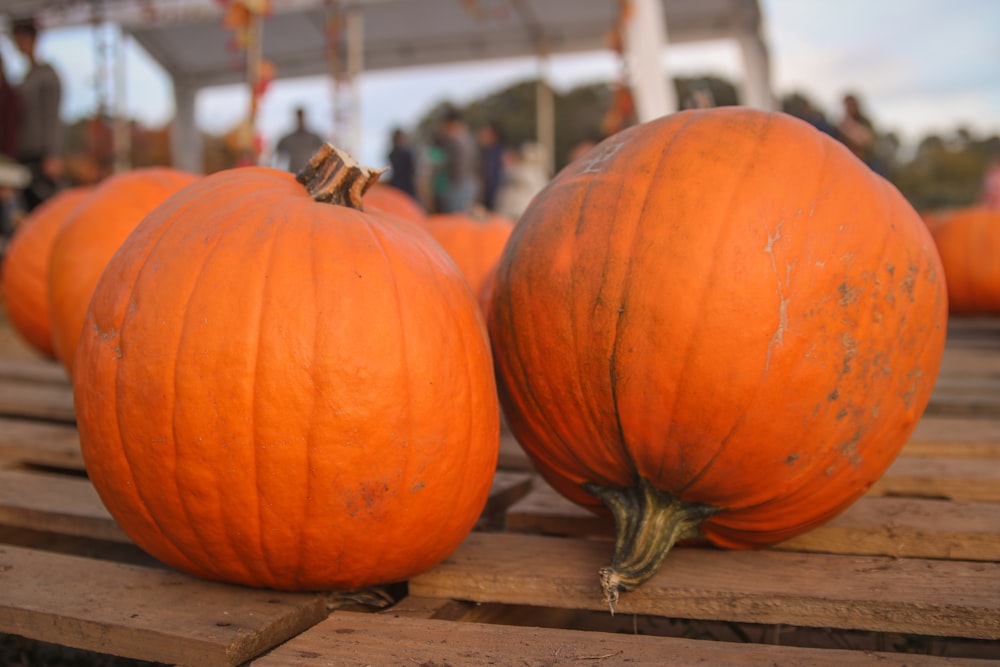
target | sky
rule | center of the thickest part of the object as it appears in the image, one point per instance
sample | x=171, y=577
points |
x=919, y=66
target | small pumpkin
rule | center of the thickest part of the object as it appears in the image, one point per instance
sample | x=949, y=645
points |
x=717, y=325
x=276, y=389
x=388, y=199
x=90, y=236
x=26, y=268
x=474, y=240
x=968, y=241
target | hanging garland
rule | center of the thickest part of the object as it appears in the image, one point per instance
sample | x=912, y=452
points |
x=242, y=18
x=621, y=113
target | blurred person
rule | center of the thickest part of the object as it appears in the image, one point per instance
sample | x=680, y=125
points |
x=800, y=107
x=40, y=138
x=10, y=123
x=461, y=156
x=403, y=163
x=491, y=167
x=856, y=130
x=295, y=148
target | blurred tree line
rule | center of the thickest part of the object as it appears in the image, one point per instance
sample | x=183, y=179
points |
x=941, y=172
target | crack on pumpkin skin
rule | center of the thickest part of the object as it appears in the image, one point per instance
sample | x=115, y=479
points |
x=779, y=334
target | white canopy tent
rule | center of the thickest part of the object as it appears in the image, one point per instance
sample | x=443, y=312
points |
x=188, y=40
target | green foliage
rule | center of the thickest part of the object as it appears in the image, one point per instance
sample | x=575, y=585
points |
x=946, y=172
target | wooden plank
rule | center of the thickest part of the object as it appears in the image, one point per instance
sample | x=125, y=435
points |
x=506, y=489
x=353, y=639
x=933, y=428
x=40, y=443
x=55, y=503
x=37, y=400
x=23, y=370
x=144, y=613
x=957, y=479
x=938, y=598
x=908, y=528
x=872, y=526
x=512, y=457
x=953, y=450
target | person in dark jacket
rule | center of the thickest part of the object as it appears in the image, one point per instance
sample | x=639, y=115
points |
x=491, y=147
x=403, y=164
x=40, y=138
x=10, y=123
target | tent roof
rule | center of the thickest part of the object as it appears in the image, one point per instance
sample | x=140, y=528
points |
x=187, y=37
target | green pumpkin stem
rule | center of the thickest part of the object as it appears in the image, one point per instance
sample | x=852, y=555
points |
x=648, y=522
x=334, y=177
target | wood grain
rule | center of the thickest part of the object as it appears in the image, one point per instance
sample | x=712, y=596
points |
x=144, y=613
x=872, y=526
x=55, y=503
x=360, y=640
x=33, y=371
x=939, y=598
x=957, y=479
x=37, y=400
x=40, y=443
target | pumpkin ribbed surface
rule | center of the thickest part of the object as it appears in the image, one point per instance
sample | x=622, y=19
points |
x=969, y=243
x=723, y=306
x=285, y=393
x=26, y=269
x=90, y=236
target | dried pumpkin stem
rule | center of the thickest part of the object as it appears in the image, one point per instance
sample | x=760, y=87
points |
x=334, y=177
x=648, y=522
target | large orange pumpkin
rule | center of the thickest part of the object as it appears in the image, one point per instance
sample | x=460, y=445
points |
x=278, y=391
x=474, y=241
x=90, y=236
x=388, y=199
x=968, y=241
x=26, y=269
x=719, y=324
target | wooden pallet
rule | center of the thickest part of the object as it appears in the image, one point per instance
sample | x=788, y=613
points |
x=909, y=575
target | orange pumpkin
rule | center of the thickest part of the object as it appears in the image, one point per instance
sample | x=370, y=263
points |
x=388, y=199
x=26, y=268
x=968, y=241
x=474, y=241
x=90, y=236
x=720, y=325
x=276, y=389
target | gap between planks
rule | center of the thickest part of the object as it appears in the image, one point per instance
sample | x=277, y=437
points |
x=359, y=640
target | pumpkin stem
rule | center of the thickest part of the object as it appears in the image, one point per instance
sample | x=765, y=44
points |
x=648, y=522
x=334, y=177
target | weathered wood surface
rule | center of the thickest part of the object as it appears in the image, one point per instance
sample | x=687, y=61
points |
x=940, y=598
x=37, y=400
x=872, y=526
x=40, y=443
x=361, y=640
x=33, y=371
x=55, y=503
x=957, y=479
x=69, y=505
x=144, y=613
